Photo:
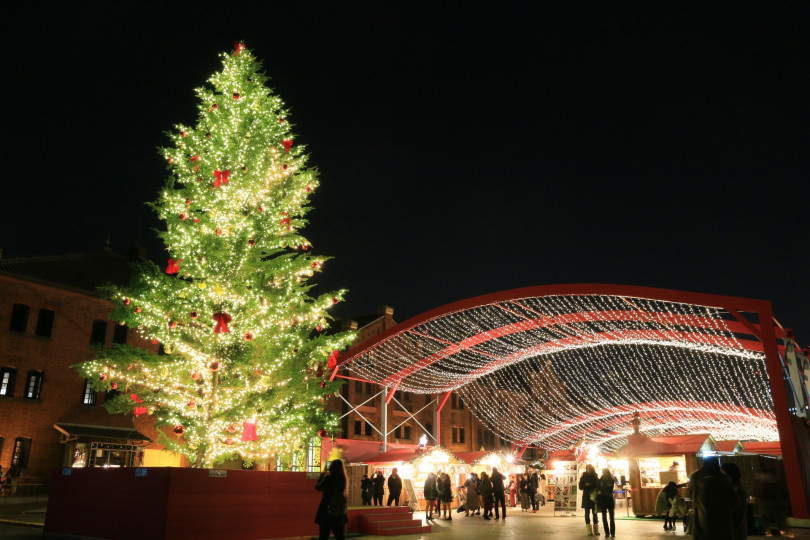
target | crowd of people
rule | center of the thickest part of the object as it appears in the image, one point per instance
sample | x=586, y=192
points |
x=718, y=510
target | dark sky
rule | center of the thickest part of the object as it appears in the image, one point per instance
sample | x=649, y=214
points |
x=462, y=150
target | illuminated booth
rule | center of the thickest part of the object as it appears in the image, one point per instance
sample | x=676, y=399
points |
x=656, y=461
x=413, y=466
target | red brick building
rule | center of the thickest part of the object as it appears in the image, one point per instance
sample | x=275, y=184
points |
x=52, y=317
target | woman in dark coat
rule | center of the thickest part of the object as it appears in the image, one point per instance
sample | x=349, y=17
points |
x=589, y=483
x=334, y=484
x=713, y=500
x=738, y=515
x=379, y=488
x=605, y=502
x=447, y=495
x=430, y=492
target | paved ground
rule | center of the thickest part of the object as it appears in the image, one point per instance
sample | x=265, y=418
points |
x=517, y=526
x=520, y=526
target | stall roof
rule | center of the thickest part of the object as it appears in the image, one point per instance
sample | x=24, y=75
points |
x=102, y=432
x=398, y=455
x=662, y=446
x=729, y=446
x=763, y=447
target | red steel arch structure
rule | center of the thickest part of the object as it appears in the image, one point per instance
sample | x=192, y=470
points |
x=553, y=364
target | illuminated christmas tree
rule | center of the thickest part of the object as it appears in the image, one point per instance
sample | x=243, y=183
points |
x=245, y=345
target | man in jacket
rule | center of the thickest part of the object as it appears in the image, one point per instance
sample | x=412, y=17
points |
x=379, y=488
x=394, y=488
x=498, y=492
x=534, y=485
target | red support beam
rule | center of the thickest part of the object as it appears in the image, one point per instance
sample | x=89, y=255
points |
x=790, y=451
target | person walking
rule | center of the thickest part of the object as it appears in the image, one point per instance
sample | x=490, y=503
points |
x=513, y=488
x=713, y=500
x=663, y=504
x=471, y=504
x=430, y=493
x=534, y=486
x=588, y=484
x=542, y=489
x=394, y=488
x=331, y=514
x=486, y=494
x=525, y=486
x=739, y=517
x=379, y=488
x=366, y=487
x=447, y=495
x=605, y=502
x=498, y=492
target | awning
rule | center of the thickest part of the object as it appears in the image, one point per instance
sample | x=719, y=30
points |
x=74, y=431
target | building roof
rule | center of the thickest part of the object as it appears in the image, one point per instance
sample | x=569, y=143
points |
x=80, y=271
x=671, y=445
x=763, y=447
x=729, y=446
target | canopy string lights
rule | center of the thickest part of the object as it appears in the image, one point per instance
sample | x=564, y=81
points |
x=552, y=369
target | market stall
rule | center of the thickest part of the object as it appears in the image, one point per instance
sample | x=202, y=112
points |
x=413, y=466
x=655, y=461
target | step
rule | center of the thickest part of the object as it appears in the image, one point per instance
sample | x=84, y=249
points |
x=382, y=527
x=387, y=517
x=399, y=531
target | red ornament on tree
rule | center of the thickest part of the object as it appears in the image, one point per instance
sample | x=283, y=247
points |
x=127, y=301
x=182, y=132
x=173, y=267
x=221, y=177
x=249, y=431
x=308, y=188
x=193, y=314
x=232, y=428
x=183, y=216
x=194, y=158
x=138, y=309
x=196, y=220
x=214, y=365
x=323, y=433
x=319, y=328
x=228, y=441
x=179, y=430
x=238, y=48
x=196, y=375
x=115, y=386
x=188, y=202
x=218, y=231
x=322, y=384
x=136, y=399
x=280, y=119
x=235, y=95
x=173, y=325
x=137, y=411
x=287, y=144
x=331, y=362
x=248, y=336
x=284, y=166
x=251, y=242
x=260, y=208
x=334, y=300
x=222, y=319
x=103, y=377
x=191, y=404
x=215, y=106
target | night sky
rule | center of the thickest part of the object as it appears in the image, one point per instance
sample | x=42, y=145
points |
x=461, y=150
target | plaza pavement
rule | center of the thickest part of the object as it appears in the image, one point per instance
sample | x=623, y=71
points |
x=542, y=525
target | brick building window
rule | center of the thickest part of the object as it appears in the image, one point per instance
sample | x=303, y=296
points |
x=33, y=385
x=88, y=395
x=120, y=334
x=44, y=323
x=358, y=387
x=19, y=318
x=456, y=402
x=458, y=434
x=358, y=427
x=403, y=432
x=99, y=335
x=22, y=447
x=7, y=377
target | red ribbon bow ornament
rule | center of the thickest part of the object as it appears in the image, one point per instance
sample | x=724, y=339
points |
x=287, y=144
x=173, y=267
x=222, y=319
x=221, y=177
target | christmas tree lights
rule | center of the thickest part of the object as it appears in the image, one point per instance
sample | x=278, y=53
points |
x=550, y=370
x=244, y=342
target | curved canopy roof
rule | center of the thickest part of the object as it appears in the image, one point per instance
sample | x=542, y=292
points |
x=554, y=364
